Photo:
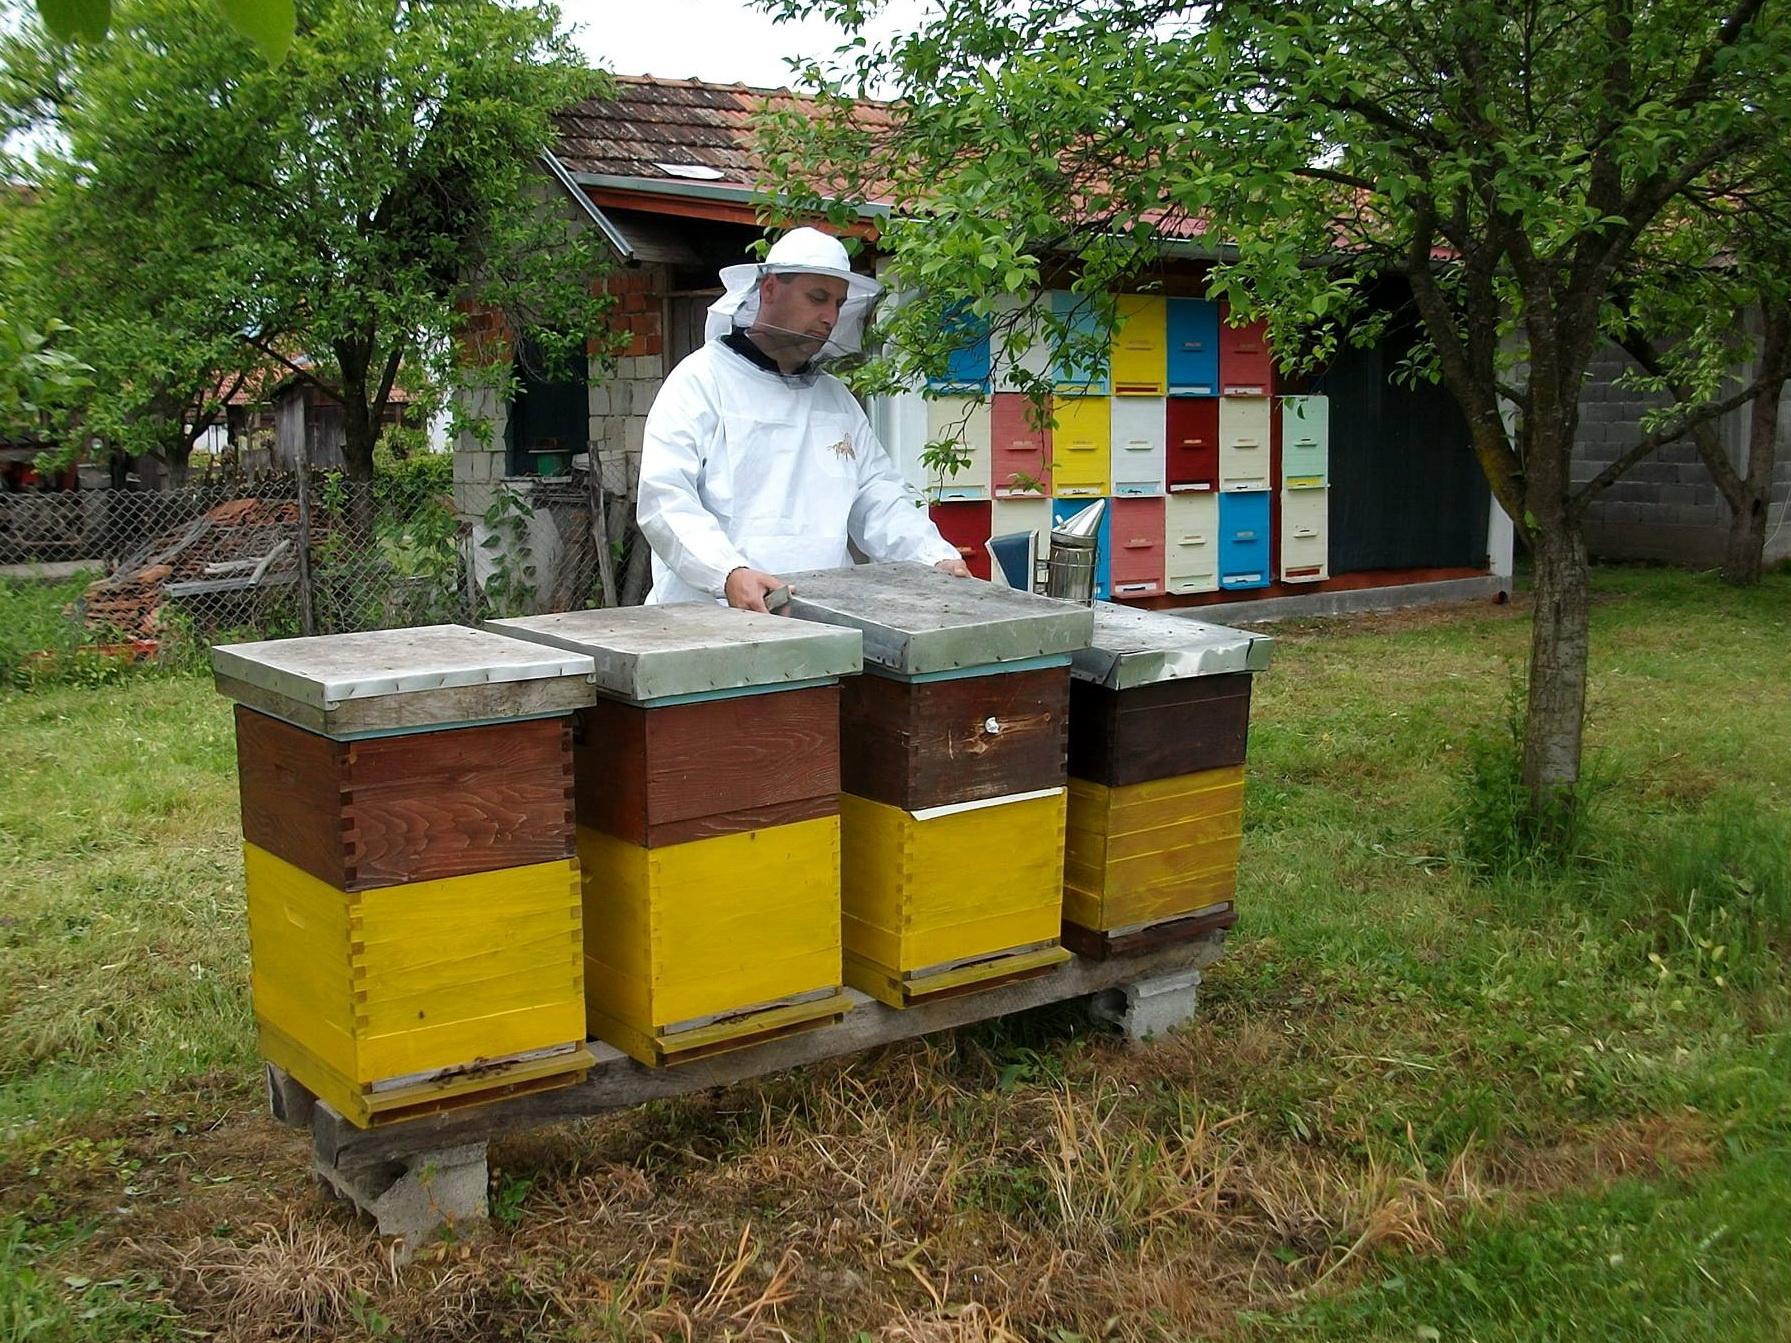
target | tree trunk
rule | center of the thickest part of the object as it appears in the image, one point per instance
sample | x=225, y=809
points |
x=1744, y=560
x=1746, y=555
x=176, y=455
x=1556, y=713
x=360, y=431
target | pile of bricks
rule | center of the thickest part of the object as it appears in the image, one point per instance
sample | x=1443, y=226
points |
x=230, y=541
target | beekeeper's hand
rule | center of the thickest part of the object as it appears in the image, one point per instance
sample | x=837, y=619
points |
x=746, y=588
x=956, y=568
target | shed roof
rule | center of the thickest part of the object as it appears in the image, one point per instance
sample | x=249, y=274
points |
x=673, y=130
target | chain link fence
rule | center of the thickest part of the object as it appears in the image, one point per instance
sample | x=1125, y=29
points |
x=287, y=555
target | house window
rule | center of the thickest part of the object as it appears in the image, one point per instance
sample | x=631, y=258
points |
x=549, y=418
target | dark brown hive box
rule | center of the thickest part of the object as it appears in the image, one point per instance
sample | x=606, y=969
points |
x=966, y=692
x=1157, y=695
x=389, y=810
x=388, y=757
x=712, y=722
x=1155, y=731
x=921, y=744
x=715, y=767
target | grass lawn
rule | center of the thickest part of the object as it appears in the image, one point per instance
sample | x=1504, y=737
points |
x=1419, y=1103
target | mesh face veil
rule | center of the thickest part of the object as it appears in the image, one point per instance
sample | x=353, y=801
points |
x=792, y=329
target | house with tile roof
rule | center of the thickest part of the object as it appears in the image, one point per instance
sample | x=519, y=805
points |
x=666, y=170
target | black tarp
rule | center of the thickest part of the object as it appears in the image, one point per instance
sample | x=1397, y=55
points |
x=1406, y=492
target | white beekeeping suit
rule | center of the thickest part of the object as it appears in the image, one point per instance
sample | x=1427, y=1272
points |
x=747, y=465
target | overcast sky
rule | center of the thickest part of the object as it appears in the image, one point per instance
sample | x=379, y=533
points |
x=721, y=41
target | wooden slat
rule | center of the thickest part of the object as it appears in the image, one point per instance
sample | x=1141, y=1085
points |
x=930, y=744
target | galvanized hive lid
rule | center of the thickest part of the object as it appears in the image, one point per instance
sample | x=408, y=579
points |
x=917, y=620
x=650, y=654
x=1134, y=648
x=346, y=685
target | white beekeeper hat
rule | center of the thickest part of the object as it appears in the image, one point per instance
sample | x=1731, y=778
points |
x=801, y=251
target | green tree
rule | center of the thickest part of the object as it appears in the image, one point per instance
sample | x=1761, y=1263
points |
x=266, y=23
x=334, y=217
x=36, y=378
x=1506, y=161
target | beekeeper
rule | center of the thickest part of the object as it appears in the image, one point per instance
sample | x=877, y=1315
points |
x=757, y=461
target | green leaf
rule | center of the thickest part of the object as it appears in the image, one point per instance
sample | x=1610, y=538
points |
x=76, y=20
x=268, y=24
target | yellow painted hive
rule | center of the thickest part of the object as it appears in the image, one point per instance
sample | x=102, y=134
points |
x=1144, y=852
x=1159, y=721
x=404, y=1000
x=409, y=865
x=708, y=945
x=953, y=897
x=707, y=798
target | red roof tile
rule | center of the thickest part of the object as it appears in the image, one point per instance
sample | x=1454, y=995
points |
x=650, y=122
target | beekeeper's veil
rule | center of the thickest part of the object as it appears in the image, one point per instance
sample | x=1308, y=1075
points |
x=801, y=251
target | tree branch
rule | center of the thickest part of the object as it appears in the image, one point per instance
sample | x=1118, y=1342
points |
x=1710, y=410
x=303, y=374
x=1648, y=358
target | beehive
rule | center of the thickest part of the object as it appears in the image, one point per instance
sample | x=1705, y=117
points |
x=707, y=801
x=954, y=769
x=409, y=864
x=1159, y=719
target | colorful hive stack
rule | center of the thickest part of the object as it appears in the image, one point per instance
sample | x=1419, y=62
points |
x=412, y=884
x=953, y=774
x=708, y=809
x=1159, y=713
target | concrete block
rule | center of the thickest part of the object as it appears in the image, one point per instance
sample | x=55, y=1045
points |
x=600, y=395
x=472, y=498
x=1696, y=515
x=634, y=434
x=289, y=1100
x=1653, y=473
x=1627, y=491
x=640, y=395
x=1151, y=1007
x=649, y=366
x=415, y=1197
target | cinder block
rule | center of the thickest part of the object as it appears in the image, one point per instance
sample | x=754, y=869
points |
x=1151, y=1007
x=640, y=395
x=649, y=366
x=1697, y=515
x=600, y=399
x=634, y=436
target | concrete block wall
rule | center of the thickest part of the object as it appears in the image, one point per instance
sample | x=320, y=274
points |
x=619, y=396
x=1667, y=507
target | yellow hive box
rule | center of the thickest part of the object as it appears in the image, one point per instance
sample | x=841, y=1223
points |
x=403, y=1000
x=953, y=897
x=1144, y=852
x=700, y=947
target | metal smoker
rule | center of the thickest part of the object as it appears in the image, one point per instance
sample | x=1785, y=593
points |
x=1075, y=549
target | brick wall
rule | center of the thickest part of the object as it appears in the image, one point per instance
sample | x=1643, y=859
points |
x=1667, y=507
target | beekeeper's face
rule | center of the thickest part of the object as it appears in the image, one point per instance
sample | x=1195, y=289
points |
x=802, y=309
